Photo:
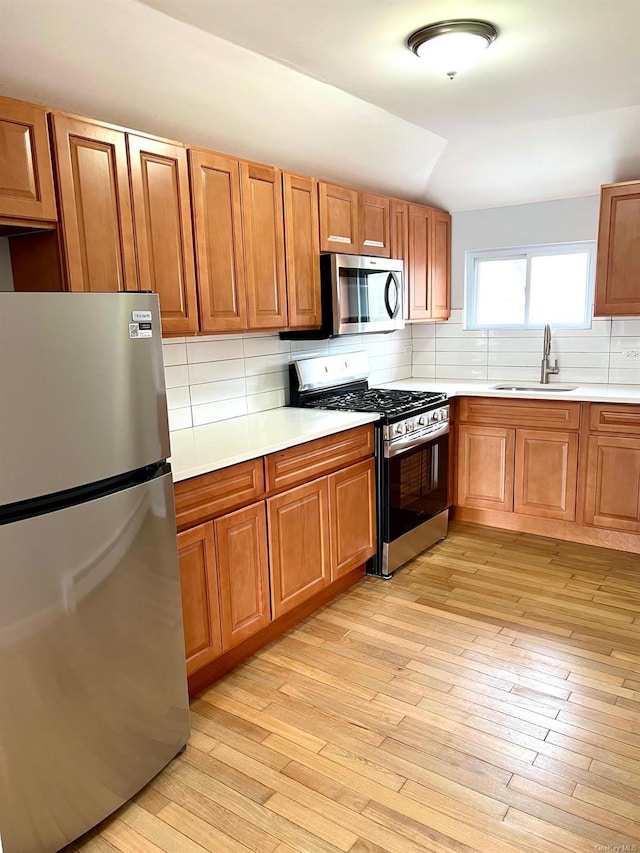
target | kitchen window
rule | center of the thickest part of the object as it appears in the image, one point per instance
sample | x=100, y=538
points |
x=528, y=286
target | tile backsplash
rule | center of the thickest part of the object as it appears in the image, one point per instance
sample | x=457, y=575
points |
x=592, y=356
x=214, y=378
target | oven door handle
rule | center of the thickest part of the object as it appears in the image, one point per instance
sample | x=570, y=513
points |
x=390, y=451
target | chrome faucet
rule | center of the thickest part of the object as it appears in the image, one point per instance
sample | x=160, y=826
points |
x=545, y=368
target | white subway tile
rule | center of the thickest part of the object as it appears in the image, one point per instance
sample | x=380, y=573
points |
x=180, y=419
x=308, y=348
x=582, y=359
x=430, y=356
x=460, y=371
x=461, y=344
x=574, y=344
x=257, y=365
x=348, y=343
x=600, y=328
x=620, y=344
x=423, y=330
x=471, y=359
x=214, y=350
x=172, y=340
x=217, y=338
x=382, y=362
x=582, y=375
x=497, y=334
x=622, y=376
x=515, y=344
x=174, y=354
x=424, y=371
x=211, y=392
x=211, y=412
x=514, y=359
x=390, y=374
x=424, y=344
x=517, y=374
x=625, y=327
x=178, y=398
x=265, y=345
x=216, y=371
x=620, y=360
x=176, y=376
x=267, y=382
x=267, y=400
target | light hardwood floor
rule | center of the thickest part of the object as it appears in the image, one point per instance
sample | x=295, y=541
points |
x=487, y=698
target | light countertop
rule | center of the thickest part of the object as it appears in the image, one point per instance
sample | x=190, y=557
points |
x=206, y=448
x=582, y=393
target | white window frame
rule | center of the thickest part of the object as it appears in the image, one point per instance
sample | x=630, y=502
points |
x=473, y=256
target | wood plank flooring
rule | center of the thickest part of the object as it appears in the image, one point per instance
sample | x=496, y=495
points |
x=485, y=699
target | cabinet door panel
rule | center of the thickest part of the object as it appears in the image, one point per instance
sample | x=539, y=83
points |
x=243, y=569
x=262, y=217
x=199, y=587
x=400, y=233
x=618, y=258
x=338, y=219
x=95, y=205
x=612, y=494
x=26, y=177
x=373, y=224
x=302, y=250
x=298, y=523
x=215, y=199
x=164, y=240
x=419, y=306
x=440, y=272
x=352, y=508
x=546, y=474
x=485, y=467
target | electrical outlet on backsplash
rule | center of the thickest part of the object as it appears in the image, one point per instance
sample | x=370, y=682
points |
x=594, y=356
x=218, y=377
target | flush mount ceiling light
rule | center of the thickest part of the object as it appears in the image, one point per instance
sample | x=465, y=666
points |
x=452, y=46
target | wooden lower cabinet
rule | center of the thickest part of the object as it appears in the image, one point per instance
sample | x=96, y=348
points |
x=298, y=521
x=612, y=493
x=486, y=467
x=243, y=573
x=546, y=474
x=352, y=510
x=199, y=585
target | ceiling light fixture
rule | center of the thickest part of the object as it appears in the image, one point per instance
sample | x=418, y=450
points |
x=452, y=46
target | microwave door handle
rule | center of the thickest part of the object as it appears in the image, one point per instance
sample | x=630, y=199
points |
x=392, y=310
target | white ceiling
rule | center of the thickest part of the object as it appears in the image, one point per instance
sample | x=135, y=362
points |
x=552, y=110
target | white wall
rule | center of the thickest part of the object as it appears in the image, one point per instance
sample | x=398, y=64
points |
x=591, y=356
x=6, y=276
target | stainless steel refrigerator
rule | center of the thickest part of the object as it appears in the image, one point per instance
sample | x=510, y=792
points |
x=93, y=692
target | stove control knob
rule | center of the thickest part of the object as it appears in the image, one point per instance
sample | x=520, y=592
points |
x=421, y=421
x=408, y=427
x=398, y=429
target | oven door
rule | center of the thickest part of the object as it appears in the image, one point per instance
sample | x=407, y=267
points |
x=367, y=294
x=417, y=483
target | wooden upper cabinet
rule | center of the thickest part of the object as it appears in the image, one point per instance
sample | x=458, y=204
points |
x=199, y=590
x=95, y=205
x=618, y=263
x=612, y=489
x=338, y=219
x=302, y=250
x=440, y=269
x=26, y=178
x=352, y=510
x=217, y=219
x=373, y=224
x=399, y=217
x=418, y=268
x=486, y=467
x=546, y=474
x=164, y=239
x=262, y=216
x=243, y=572
x=298, y=523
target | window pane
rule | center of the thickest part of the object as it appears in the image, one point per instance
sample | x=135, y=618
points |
x=501, y=291
x=558, y=288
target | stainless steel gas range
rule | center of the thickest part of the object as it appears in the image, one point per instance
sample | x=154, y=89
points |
x=412, y=451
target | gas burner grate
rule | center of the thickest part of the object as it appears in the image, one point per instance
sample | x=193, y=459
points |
x=389, y=402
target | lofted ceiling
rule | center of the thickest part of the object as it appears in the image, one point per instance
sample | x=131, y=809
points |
x=552, y=109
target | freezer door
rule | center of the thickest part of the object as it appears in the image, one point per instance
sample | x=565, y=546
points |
x=93, y=698
x=81, y=399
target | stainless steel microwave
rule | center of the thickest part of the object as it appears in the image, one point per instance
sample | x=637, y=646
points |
x=359, y=294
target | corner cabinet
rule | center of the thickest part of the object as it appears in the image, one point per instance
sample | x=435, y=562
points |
x=618, y=261
x=26, y=177
x=264, y=543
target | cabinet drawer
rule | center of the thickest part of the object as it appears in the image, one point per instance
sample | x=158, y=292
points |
x=545, y=414
x=604, y=417
x=202, y=498
x=307, y=461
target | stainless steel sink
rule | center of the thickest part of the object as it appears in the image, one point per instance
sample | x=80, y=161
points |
x=536, y=388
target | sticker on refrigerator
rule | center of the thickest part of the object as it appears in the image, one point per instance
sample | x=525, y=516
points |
x=141, y=316
x=140, y=330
